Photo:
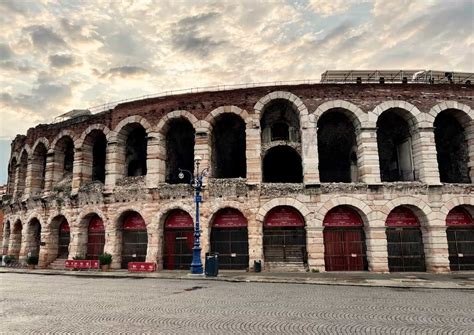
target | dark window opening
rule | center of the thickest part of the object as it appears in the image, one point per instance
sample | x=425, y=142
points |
x=68, y=156
x=336, y=142
x=22, y=171
x=11, y=176
x=395, y=148
x=452, y=149
x=280, y=122
x=98, y=158
x=179, y=150
x=39, y=163
x=136, y=152
x=35, y=227
x=282, y=164
x=228, y=149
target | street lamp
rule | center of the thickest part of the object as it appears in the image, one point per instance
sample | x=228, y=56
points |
x=196, y=182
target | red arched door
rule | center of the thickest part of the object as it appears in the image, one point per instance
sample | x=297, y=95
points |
x=460, y=234
x=179, y=240
x=404, y=241
x=229, y=238
x=95, y=238
x=64, y=238
x=134, y=239
x=284, y=236
x=344, y=240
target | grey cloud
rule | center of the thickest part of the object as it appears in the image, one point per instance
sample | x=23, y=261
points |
x=187, y=35
x=61, y=61
x=18, y=66
x=44, y=37
x=125, y=71
x=5, y=51
x=13, y=6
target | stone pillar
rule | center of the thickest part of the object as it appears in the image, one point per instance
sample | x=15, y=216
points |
x=154, y=160
x=202, y=148
x=152, y=248
x=78, y=242
x=114, y=166
x=113, y=245
x=49, y=251
x=368, y=156
x=85, y=158
x=309, y=150
x=470, y=145
x=16, y=190
x=436, y=248
x=26, y=244
x=49, y=175
x=15, y=243
x=377, y=252
x=424, y=156
x=255, y=238
x=6, y=239
x=77, y=170
x=252, y=153
x=315, y=247
x=30, y=170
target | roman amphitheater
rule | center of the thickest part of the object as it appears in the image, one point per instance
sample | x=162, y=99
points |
x=359, y=176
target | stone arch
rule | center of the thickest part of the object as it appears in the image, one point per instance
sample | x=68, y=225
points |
x=98, y=126
x=295, y=100
x=162, y=126
x=291, y=202
x=42, y=140
x=133, y=119
x=158, y=220
x=115, y=221
x=435, y=110
x=413, y=115
x=362, y=208
x=421, y=209
x=64, y=133
x=26, y=148
x=36, y=215
x=455, y=202
x=358, y=117
x=87, y=211
x=214, y=115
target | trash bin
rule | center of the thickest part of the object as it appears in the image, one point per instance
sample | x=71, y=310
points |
x=257, y=266
x=212, y=264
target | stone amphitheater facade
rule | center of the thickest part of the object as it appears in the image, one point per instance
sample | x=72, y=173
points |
x=42, y=192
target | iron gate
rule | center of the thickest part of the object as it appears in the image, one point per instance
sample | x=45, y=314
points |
x=63, y=245
x=95, y=244
x=178, y=251
x=284, y=244
x=232, y=246
x=344, y=249
x=134, y=246
x=405, y=250
x=461, y=248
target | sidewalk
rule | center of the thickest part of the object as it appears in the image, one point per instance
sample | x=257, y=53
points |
x=458, y=280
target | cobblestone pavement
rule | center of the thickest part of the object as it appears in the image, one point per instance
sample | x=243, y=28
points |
x=60, y=304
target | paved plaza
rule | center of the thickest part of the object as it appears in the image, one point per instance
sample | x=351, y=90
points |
x=65, y=304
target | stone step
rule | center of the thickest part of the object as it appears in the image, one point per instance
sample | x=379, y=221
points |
x=58, y=264
x=285, y=266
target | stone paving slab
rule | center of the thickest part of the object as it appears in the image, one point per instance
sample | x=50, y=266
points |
x=462, y=280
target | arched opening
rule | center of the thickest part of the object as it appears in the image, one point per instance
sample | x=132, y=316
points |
x=229, y=238
x=136, y=150
x=178, y=240
x=134, y=239
x=452, y=149
x=228, y=147
x=344, y=240
x=282, y=164
x=63, y=160
x=38, y=169
x=22, y=173
x=280, y=122
x=404, y=241
x=179, y=149
x=11, y=176
x=34, y=237
x=64, y=237
x=284, y=237
x=6, y=238
x=460, y=234
x=95, y=237
x=337, y=148
x=15, y=240
x=395, y=147
x=99, y=149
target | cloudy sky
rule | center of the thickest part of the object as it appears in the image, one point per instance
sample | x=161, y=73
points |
x=61, y=55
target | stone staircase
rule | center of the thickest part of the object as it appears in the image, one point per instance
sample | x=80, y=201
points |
x=58, y=264
x=285, y=267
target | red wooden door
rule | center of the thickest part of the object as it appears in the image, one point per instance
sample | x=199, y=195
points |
x=178, y=251
x=344, y=249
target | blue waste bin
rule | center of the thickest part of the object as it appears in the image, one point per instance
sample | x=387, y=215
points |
x=212, y=264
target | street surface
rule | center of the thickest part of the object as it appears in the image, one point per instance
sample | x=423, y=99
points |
x=62, y=304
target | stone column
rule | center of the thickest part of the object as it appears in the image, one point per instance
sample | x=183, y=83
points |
x=202, y=148
x=30, y=170
x=315, y=247
x=85, y=158
x=436, y=248
x=113, y=245
x=114, y=167
x=26, y=244
x=6, y=239
x=152, y=249
x=252, y=153
x=16, y=189
x=77, y=170
x=78, y=242
x=154, y=161
x=49, y=251
x=14, y=243
x=424, y=156
x=368, y=156
x=470, y=145
x=309, y=149
x=255, y=238
x=377, y=252
x=49, y=175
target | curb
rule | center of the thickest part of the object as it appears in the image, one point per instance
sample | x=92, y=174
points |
x=384, y=283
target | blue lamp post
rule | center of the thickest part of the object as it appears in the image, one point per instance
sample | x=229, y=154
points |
x=196, y=182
